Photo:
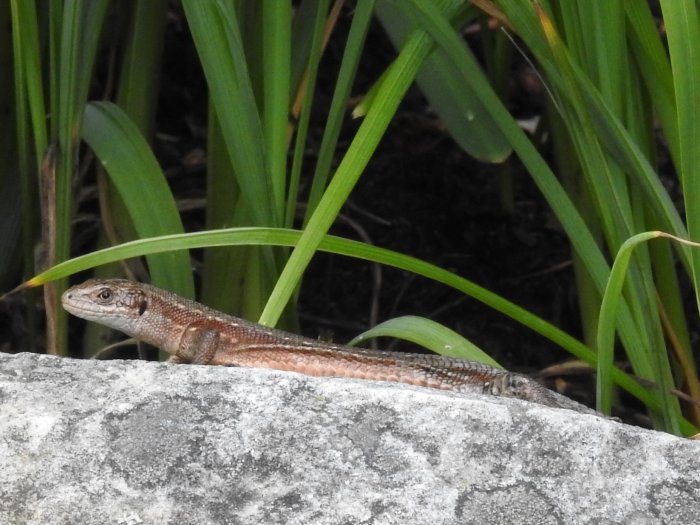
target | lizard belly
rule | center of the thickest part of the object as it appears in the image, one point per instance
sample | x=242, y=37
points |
x=335, y=363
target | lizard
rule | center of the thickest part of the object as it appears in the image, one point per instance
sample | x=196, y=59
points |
x=194, y=333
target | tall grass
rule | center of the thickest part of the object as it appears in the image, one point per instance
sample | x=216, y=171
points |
x=604, y=65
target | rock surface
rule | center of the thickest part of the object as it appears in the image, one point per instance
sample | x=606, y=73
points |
x=130, y=442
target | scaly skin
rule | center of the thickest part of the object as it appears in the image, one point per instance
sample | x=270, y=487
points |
x=194, y=333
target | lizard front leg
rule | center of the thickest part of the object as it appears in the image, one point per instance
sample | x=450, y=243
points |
x=198, y=344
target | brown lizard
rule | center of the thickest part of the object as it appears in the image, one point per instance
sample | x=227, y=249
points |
x=194, y=333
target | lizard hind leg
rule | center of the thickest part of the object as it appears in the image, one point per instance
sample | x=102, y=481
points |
x=198, y=344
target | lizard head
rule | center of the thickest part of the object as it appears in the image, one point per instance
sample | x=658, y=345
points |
x=112, y=302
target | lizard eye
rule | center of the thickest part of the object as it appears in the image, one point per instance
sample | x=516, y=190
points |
x=105, y=294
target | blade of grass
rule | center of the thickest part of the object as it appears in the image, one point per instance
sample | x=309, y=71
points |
x=609, y=186
x=233, y=70
x=608, y=313
x=652, y=61
x=81, y=24
x=133, y=170
x=277, y=43
x=302, y=33
x=400, y=75
x=310, y=76
x=428, y=334
x=26, y=46
x=141, y=64
x=217, y=36
x=577, y=231
x=281, y=237
x=640, y=330
x=16, y=105
x=223, y=274
x=348, y=69
x=19, y=154
x=462, y=113
x=683, y=29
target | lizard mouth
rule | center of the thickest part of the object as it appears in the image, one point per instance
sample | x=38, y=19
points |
x=77, y=307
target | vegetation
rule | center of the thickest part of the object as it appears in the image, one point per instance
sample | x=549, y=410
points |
x=619, y=84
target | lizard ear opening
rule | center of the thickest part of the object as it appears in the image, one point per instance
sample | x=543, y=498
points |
x=142, y=307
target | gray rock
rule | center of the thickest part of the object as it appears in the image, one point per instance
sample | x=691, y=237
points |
x=129, y=442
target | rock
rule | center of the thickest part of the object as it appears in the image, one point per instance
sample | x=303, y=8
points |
x=132, y=442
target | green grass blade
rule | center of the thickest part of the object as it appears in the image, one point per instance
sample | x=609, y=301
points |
x=20, y=159
x=233, y=68
x=224, y=269
x=332, y=244
x=607, y=320
x=627, y=152
x=26, y=45
x=608, y=312
x=651, y=59
x=280, y=237
x=277, y=44
x=401, y=74
x=348, y=68
x=134, y=171
x=310, y=76
x=217, y=36
x=683, y=29
x=428, y=334
x=81, y=25
x=302, y=34
x=141, y=63
x=449, y=94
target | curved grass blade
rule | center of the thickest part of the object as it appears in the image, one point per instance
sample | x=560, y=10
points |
x=452, y=97
x=135, y=173
x=608, y=320
x=428, y=334
x=281, y=237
